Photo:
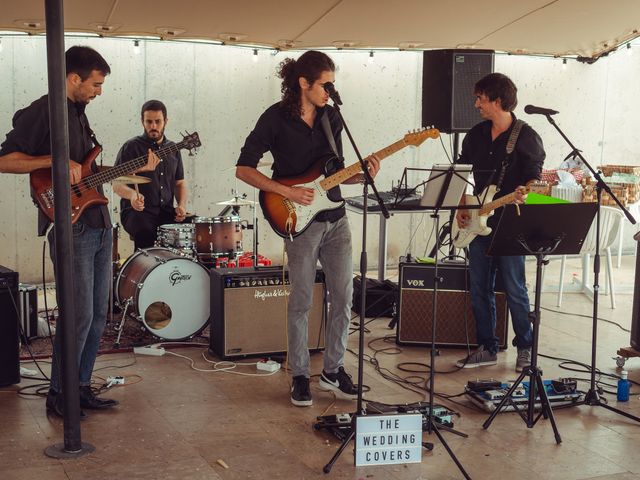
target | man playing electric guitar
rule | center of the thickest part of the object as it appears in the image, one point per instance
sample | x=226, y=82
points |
x=292, y=130
x=486, y=147
x=27, y=149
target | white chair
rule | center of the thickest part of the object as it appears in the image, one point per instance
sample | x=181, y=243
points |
x=610, y=222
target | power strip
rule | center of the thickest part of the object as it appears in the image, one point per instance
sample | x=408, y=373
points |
x=149, y=350
x=268, y=366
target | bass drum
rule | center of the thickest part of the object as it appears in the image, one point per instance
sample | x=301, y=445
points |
x=167, y=292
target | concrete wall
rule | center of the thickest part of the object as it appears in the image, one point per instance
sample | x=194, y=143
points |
x=219, y=91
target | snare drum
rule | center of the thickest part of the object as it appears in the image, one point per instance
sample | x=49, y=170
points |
x=178, y=236
x=168, y=293
x=218, y=237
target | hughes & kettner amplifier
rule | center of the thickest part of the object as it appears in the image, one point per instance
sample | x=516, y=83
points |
x=248, y=312
x=9, y=339
x=455, y=322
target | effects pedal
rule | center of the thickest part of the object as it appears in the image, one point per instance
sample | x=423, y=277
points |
x=564, y=385
x=483, y=385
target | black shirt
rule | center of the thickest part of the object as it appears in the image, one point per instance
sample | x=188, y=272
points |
x=295, y=147
x=486, y=157
x=159, y=194
x=31, y=136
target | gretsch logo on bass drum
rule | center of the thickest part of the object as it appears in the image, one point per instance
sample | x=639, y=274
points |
x=175, y=277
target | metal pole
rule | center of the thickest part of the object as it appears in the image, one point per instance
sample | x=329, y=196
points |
x=58, y=125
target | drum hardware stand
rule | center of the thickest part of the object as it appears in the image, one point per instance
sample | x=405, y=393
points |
x=120, y=327
x=592, y=397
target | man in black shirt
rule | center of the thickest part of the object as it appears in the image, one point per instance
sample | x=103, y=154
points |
x=292, y=130
x=485, y=148
x=28, y=148
x=143, y=211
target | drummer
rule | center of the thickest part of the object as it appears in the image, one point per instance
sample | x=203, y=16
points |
x=144, y=207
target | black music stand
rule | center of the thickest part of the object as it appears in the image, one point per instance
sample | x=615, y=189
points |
x=538, y=230
x=442, y=191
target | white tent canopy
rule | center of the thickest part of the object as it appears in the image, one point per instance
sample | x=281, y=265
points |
x=584, y=28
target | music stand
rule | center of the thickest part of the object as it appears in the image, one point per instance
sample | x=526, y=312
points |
x=538, y=230
x=442, y=191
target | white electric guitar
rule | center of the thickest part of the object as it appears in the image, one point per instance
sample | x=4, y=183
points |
x=462, y=237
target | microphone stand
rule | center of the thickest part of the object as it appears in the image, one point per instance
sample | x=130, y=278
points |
x=363, y=275
x=592, y=397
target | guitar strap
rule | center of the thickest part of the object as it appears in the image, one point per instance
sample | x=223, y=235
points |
x=326, y=126
x=511, y=145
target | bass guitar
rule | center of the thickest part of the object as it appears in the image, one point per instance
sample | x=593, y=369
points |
x=289, y=219
x=462, y=237
x=85, y=193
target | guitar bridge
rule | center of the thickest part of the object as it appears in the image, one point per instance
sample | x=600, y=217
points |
x=47, y=198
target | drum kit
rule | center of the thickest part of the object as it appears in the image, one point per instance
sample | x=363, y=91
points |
x=166, y=287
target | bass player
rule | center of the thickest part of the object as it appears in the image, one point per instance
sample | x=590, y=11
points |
x=27, y=149
x=485, y=148
x=294, y=131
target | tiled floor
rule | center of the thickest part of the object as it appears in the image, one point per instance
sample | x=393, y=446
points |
x=176, y=422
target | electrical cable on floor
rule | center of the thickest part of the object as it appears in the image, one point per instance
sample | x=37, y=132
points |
x=224, y=366
x=590, y=317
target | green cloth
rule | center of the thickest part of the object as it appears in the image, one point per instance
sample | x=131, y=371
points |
x=537, y=199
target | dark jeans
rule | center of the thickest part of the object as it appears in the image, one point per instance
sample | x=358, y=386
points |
x=91, y=280
x=483, y=299
x=143, y=226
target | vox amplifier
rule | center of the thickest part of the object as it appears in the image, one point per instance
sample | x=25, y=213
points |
x=249, y=308
x=455, y=325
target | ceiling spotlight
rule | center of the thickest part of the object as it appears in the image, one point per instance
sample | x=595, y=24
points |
x=136, y=47
x=255, y=55
x=371, y=56
x=629, y=51
x=0, y=45
x=564, y=63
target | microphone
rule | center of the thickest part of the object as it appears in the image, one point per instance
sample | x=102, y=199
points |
x=333, y=93
x=532, y=110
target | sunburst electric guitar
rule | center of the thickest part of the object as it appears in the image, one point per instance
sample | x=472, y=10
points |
x=462, y=237
x=289, y=219
x=85, y=193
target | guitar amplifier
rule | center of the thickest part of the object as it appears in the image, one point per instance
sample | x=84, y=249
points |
x=248, y=312
x=455, y=325
x=9, y=337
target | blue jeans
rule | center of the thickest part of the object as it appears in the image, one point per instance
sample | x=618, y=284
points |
x=331, y=244
x=91, y=280
x=483, y=301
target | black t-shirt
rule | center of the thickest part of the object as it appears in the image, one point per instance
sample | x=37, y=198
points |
x=159, y=194
x=31, y=136
x=295, y=146
x=486, y=157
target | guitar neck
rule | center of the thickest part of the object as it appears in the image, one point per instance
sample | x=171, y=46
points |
x=500, y=202
x=128, y=167
x=348, y=172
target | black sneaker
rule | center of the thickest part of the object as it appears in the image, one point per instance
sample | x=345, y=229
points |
x=339, y=383
x=300, y=392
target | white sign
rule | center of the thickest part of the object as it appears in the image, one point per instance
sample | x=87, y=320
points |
x=388, y=439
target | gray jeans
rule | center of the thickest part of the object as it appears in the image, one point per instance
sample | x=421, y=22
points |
x=331, y=244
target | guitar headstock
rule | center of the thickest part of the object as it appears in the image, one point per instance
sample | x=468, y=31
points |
x=416, y=137
x=191, y=141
